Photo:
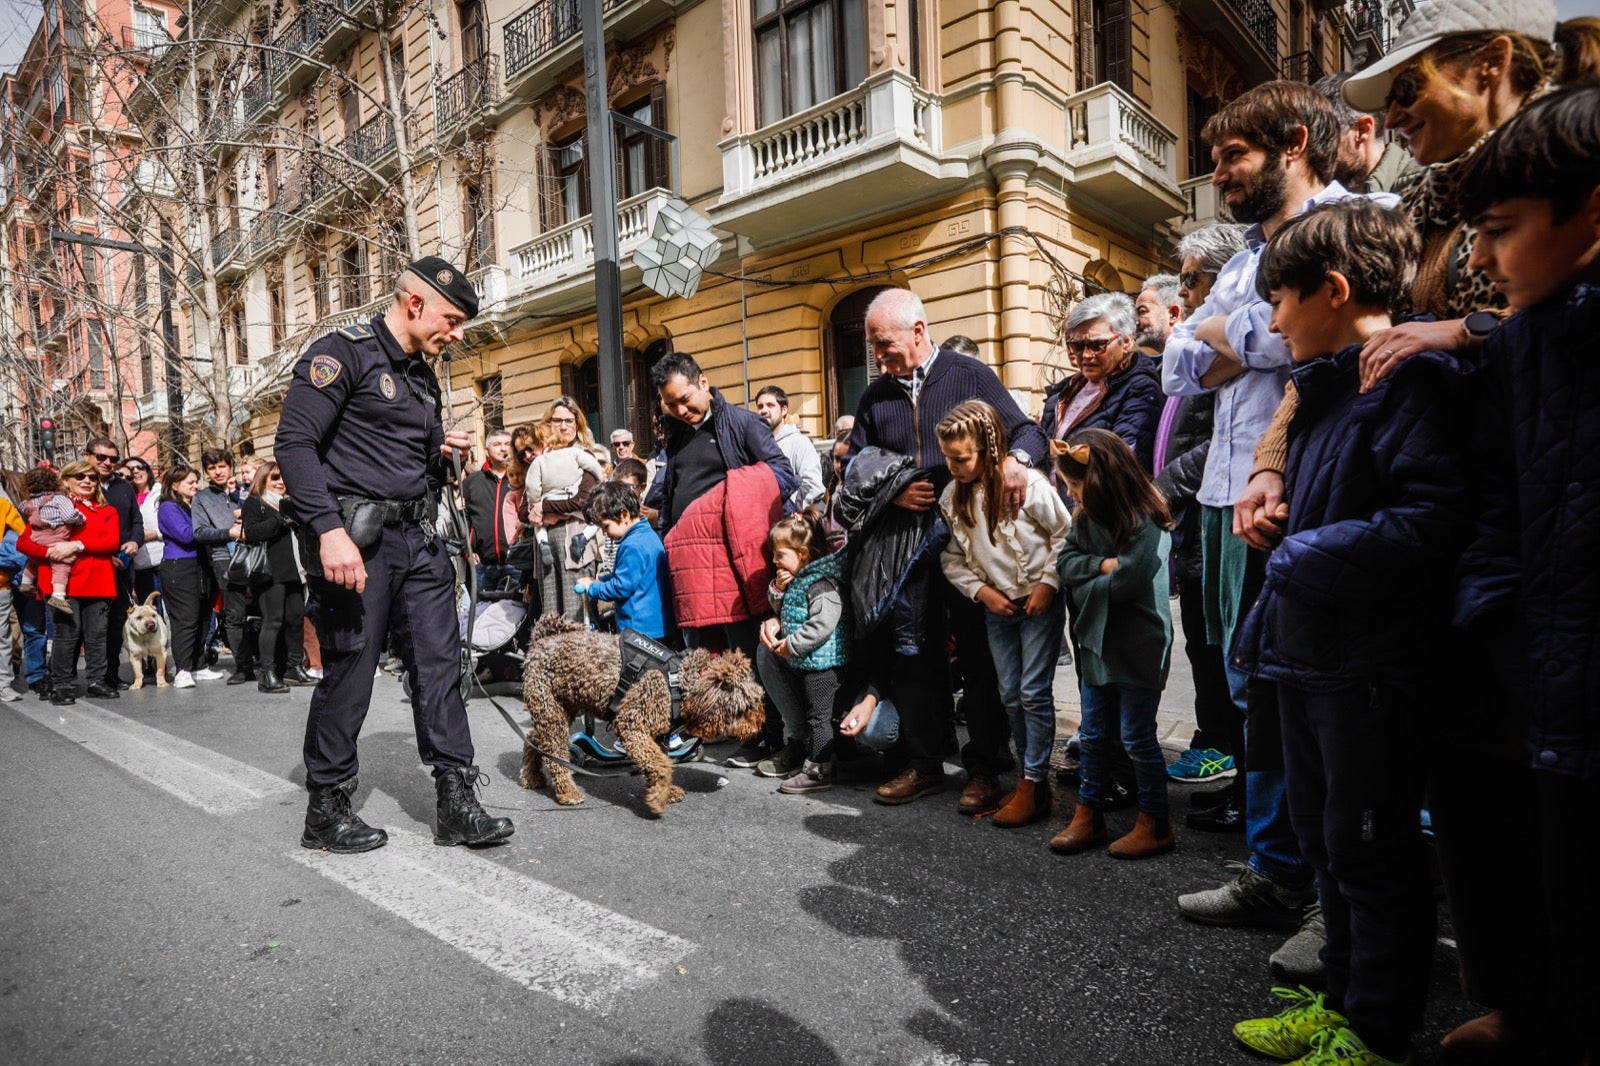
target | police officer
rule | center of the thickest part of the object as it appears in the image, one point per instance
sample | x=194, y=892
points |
x=358, y=441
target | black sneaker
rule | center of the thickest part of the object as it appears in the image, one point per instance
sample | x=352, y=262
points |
x=749, y=753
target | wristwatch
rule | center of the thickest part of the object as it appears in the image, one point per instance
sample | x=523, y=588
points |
x=1021, y=456
x=1479, y=324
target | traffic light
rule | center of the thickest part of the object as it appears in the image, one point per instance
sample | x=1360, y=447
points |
x=47, y=437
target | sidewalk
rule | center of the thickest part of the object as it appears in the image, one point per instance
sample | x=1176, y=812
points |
x=1175, y=722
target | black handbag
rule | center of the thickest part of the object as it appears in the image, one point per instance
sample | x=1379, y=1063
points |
x=249, y=566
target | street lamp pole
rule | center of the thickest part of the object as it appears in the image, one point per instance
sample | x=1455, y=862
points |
x=601, y=152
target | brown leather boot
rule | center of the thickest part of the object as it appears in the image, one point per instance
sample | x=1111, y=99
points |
x=981, y=795
x=1087, y=828
x=1151, y=835
x=1028, y=802
x=1493, y=1039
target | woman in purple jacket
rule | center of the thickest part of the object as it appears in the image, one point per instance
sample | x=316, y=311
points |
x=185, y=582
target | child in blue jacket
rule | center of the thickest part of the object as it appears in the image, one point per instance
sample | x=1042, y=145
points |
x=1353, y=623
x=1530, y=589
x=638, y=584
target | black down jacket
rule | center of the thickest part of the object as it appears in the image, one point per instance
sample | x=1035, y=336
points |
x=894, y=553
x=1359, y=590
x=1179, y=480
x=1531, y=576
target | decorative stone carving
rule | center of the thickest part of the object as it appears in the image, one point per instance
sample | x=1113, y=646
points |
x=1210, y=71
x=636, y=64
x=562, y=105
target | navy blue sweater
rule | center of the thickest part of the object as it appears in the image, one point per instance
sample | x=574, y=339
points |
x=884, y=416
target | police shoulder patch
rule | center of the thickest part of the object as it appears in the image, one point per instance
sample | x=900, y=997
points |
x=356, y=332
x=324, y=370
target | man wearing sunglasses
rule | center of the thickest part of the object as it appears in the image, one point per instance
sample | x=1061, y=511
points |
x=124, y=499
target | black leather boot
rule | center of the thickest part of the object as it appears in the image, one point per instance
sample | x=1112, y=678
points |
x=267, y=680
x=462, y=819
x=241, y=675
x=332, y=826
x=296, y=675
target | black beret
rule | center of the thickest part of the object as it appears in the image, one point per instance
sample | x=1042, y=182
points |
x=451, y=283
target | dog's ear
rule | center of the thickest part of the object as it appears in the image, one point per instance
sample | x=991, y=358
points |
x=151, y=599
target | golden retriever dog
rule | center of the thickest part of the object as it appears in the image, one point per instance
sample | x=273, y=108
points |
x=144, y=635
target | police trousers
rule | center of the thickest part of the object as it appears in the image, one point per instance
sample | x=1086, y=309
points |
x=409, y=597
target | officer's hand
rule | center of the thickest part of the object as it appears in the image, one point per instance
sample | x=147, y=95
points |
x=341, y=560
x=456, y=440
x=918, y=496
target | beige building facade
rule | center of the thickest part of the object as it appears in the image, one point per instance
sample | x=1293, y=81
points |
x=998, y=158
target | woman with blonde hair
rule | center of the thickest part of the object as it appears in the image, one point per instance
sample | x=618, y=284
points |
x=90, y=589
x=559, y=483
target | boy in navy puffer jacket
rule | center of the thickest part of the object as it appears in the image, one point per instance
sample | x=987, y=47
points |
x=1530, y=581
x=1353, y=621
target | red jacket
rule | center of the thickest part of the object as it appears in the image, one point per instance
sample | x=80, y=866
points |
x=717, y=550
x=93, y=573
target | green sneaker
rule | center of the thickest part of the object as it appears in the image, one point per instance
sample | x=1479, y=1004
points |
x=1289, y=1034
x=1338, y=1046
x=783, y=762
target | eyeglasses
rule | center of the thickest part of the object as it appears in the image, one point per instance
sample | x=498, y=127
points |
x=1097, y=345
x=1190, y=279
x=84, y=477
x=619, y=445
x=563, y=421
x=1405, y=88
x=102, y=457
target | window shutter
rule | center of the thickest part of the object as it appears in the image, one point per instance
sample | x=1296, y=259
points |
x=660, y=153
x=552, y=212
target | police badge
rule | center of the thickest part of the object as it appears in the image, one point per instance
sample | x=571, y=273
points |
x=324, y=368
x=386, y=385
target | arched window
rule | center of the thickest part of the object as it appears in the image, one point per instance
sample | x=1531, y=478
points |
x=849, y=364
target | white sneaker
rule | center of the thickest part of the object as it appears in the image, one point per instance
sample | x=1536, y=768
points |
x=184, y=680
x=208, y=674
x=9, y=694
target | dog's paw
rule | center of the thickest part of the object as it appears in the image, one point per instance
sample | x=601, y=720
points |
x=138, y=683
x=162, y=683
x=569, y=799
x=532, y=779
x=674, y=794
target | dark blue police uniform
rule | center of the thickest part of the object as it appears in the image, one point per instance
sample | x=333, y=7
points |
x=361, y=420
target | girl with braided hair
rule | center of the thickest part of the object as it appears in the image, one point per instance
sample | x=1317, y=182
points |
x=1007, y=563
x=1115, y=565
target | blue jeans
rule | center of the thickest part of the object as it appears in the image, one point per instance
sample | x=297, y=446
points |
x=492, y=575
x=1025, y=649
x=1134, y=710
x=1274, y=849
x=35, y=629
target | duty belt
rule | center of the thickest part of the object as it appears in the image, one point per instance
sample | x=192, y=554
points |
x=392, y=512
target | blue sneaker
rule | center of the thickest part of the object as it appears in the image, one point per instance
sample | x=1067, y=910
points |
x=1202, y=764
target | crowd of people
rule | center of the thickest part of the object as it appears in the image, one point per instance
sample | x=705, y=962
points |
x=1352, y=436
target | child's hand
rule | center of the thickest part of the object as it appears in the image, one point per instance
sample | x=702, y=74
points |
x=995, y=601
x=781, y=649
x=769, y=635
x=859, y=716
x=783, y=578
x=535, y=513
x=1108, y=565
x=1039, y=600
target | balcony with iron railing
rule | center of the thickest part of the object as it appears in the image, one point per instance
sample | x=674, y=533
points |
x=225, y=247
x=269, y=227
x=1365, y=31
x=1122, y=155
x=372, y=141
x=341, y=23
x=1248, y=29
x=540, y=29
x=297, y=47
x=1303, y=66
x=467, y=95
x=862, y=152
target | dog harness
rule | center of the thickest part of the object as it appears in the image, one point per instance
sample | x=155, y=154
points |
x=641, y=655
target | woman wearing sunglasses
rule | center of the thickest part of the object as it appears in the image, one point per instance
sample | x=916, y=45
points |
x=90, y=589
x=1115, y=387
x=147, y=560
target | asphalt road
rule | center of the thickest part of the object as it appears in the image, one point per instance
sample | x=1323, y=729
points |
x=156, y=908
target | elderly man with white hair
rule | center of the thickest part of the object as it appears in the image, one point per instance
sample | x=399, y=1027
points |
x=921, y=382
x=1116, y=387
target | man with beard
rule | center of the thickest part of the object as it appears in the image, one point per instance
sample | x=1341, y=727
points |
x=1156, y=311
x=1275, y=149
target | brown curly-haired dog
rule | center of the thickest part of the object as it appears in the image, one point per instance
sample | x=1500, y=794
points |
x=570, y=670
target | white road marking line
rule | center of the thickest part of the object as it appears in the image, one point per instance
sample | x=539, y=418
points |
x=541, y=937
x=198, y=776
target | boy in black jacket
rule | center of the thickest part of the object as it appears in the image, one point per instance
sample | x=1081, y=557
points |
x=1353, y=624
